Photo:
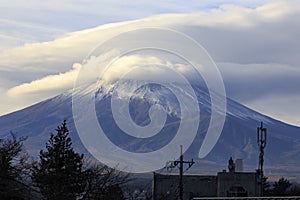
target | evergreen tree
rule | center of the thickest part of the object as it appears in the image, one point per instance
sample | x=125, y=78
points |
x=59, y=173
x=294, y=191
x=266, y=187
x=280, y=187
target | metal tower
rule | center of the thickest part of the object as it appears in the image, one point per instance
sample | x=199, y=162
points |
x=261, y=141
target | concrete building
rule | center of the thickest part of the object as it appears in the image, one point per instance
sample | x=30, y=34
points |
x=238, y=184
x=166, y=186
x=239, y=165
x=224, y=184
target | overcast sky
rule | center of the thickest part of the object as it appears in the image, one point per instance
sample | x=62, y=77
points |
x=255, y=44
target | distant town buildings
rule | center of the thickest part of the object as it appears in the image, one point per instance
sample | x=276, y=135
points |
x=234, y=183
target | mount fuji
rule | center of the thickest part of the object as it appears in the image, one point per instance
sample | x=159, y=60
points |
x=237, y=140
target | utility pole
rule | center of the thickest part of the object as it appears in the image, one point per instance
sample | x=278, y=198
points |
x=181, y=162
x=262, y=142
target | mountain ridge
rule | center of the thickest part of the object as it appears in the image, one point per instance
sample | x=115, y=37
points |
x=238, y=138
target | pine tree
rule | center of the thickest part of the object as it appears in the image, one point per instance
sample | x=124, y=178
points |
x=59, y=172
x=266, y=187
x=280, y=187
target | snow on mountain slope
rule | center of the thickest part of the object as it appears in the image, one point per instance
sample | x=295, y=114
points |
x=238, y=138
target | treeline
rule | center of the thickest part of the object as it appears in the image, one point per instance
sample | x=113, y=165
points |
x=59, y=173
x=282, y=187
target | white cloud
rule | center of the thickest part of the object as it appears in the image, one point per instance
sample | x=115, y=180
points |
x=51, y=82
x=151, y=65
x=136, y=66
x=277, y=9
x=64, y=51
x=50, y=19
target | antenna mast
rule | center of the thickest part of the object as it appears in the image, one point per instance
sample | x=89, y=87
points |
x=261, y=141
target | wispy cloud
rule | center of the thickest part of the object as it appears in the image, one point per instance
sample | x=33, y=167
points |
x=51, y=82
x=64, y=51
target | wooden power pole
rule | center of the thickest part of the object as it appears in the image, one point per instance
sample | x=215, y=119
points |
x=181, y=163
